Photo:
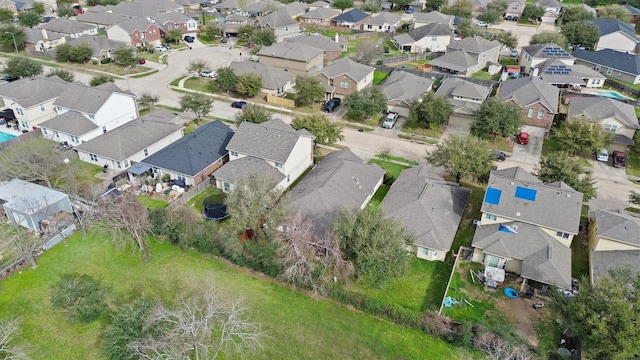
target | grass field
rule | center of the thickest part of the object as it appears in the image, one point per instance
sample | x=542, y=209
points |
x=196, y=202
x=379, y=76
x=151, y=203
x=394, y=169
x=377, y=198
x=297, y=327
x=413, y=127
x=464, y=236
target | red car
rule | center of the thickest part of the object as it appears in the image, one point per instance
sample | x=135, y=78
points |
x=142, y=61
x=523, y=138
x=619, y=159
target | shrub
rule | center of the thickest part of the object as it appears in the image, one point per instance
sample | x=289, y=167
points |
x=80, y=297
x=105, y=61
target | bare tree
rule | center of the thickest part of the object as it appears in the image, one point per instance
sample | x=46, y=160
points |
x=496, y=348
x=9, y=329
x=35, y=160
x=25, y=243
x=201, y=326
x=125, y=219
x=83, y=198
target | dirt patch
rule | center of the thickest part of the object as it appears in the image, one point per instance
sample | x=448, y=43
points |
x=523, y=316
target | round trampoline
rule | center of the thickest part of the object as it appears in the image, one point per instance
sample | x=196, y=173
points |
x=511, y=293
x=214, y=207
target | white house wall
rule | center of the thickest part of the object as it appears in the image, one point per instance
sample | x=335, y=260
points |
x=439, y=44
x=116, y=33
x=617, y=41
x=366, y=81
x=286, y=32
x=432, y=255
x=33, y=116
x=300, y=159
x=116, y=111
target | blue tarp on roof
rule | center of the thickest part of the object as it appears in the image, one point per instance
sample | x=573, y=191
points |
x=507, y=228
x=526, y=193
x=492, y=196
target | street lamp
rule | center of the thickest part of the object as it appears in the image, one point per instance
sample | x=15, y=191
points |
x=14, y=40
x=249, y=44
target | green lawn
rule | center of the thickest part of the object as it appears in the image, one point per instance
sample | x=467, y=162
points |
x=464, y=235
x=296, y=326
x=550, y=145
x=633, y=86
x=151, y=203
x=196, y=202
x=484, y=75
x=416, y=128
x=508, y=61
x=393, y=168
x=87, y=173
x=399, y=159
x=379, y=76
x=377, y=198
x=458, y=290
x=633, y=164
x=199, y=84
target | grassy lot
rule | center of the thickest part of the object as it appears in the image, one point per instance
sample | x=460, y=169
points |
x=416, y=128
x=501, y=143
x=377, y=198
x=399, y=159
x=151, y=203
x=421, y=289
x=87, y=174
x=370, y=121
x=198, y=83
x=508, y=61
x=633, y=164
x=196, y=202
x=550, y=145
x=460, y=288
x=393, y=168
x=484, y=75
x=379, y=76
x=464, y=235
x=296, y=326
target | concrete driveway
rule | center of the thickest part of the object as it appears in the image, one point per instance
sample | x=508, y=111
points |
x=531, y=152
x=458, y=124
x=606, y=171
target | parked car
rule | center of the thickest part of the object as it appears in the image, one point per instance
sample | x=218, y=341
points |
x=514, y=53
x=160, y=48
x=189, y=39
x=142, y=61
x=238, y=104
x=602, y=155
x=619, y=159
x=410, y=10
x=482, y=24
x=9, y=78
x=458, y=38
x=523, y=138
x=46, y=19
x=208, y=74
x=167, y=46
x=508, y=18
x=331, y=105
x=500, y=156
x=224, y=40
x=390, y=120
x=78, y=10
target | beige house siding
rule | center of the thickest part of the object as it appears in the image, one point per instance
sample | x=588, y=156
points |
x=33, y=116
x=426, y=253
x=617, y=41
x=428, y=43
x=297, y=67
x=603, y=244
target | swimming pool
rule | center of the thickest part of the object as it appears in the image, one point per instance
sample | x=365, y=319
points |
x=607, y=93
x=4, y=137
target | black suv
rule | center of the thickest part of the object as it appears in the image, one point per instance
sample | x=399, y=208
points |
x=331, y=105
x=9, y=78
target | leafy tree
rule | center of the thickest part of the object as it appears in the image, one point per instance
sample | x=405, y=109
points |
x=66, y=3
x=80, y=297
x=173, y=35
x=128, y=325
x=365, y=103
x=209, y=32
x=249, y=84
x=400, y=3
x=494, y=11
x=466, y=28
x=342, y=4
x=38, y=8
x=507, y=39
x=22, y=67
x=559, y=166
x=125, y=56
x=309, y=89
x=147, y=100
x=581, y=34
x=264, y=37
x=371, y=5
x=462, y=157
x=66, y=12
x=434, y=4
x=73, y=53
x=491, y=17
x=549, y=37
x=197, y=65
x=28, y=18
x=579, y=135
x=605, y=315
x=575, y=13
x=63, y=52
x=199, y=104
x=6, y=15
x=326, y=131
x=430, y=109
x=614, y=11
x=533, y=11
x=100, y=79
x=634, y=197
x=374, y=243
x=63, y=74
x=226, y=79
x=6, y=37
x=462, y=8
x=498, y=117
x=246, y=31
x=254, y=114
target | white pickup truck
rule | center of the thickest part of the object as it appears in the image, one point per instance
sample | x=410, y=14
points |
x=390, y=120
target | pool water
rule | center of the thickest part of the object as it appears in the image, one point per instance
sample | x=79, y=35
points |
x=609, y=94
x=4, y=137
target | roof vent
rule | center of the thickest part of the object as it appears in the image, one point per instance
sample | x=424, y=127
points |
x=512, y=183
x=517, y=213
x=568, y=195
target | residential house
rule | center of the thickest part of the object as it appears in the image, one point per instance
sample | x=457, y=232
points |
x=100, y=19
x=614, y=242
x=144, y=8
x=262, y=7
x=332, y=50
x=429, y=208
x=42, y=40
x=9, y=5
x=402, y=88
x=174, y=20
x=527, y=226
x=353, y=19
x=615, y=64
x=32, y=206
x=194, y=157
x=192, y=5
x=555, y=72
x=383, y=22
x=68, y=27
x=273, y=149
x=340, y=181
x=138, y=32
x=319, y=5
x=295, y=57
x=478, y=6
x=465, y=96
x=295, y=9
x=433, y=17
x=429, y=38
x=232, y=24
x=276, y=81
x=282, y=24
x=230, y=6
x=615, y=117
x=101, y=46
x=515, y=8
x=616, y=35
x=552, y=10
x=347, y=76
x=319, y=16
x=468, y=56
x=634, y=14
x=588, y=8
x=531, y=56
x=131, y=142
x=83, y=112
x=537, y=98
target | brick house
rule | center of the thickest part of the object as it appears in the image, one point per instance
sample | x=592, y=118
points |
x=347, y=76
x=135, y=32
x=537, y=98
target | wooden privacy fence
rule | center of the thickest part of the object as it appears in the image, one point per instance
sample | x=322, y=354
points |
x=188, y=195
x=280, y=101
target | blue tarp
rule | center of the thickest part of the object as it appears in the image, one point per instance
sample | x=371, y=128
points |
x=526, y=193
x=492, y=196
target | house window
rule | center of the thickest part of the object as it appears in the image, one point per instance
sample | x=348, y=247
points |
x=104, y=129
x=493, y=261
x=25, y=124
x=434, y=38
x=58, y=108
x=169, y=27
x=344, y=84
x=44, y=131
x=92, y=117
x=233, y=153
x=74, y=139
x=598, y=81
x=57, y=134
x=118, y=164
x=514, y=7
x=491, y=217
x=279, y=165
x=286, y=28
x=19, y=111
x=369, y=26
x=484, y=54
x=609, y=71
x=93, y=157
x=146, y=152
x=531, y=113
x=41, y=107
x=610, y=127
x=435, y=253
x=425, y=251
x=597, y=68
x=562, y=234
x=540, y=114
x=226, y=187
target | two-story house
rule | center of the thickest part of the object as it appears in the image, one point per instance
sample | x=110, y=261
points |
x=634, y=14
x=615, y=64
x=232, y=23
x=68, y=27
x=552, y=10
x=84, y=112
x=402, y=88
x=531, y=56
x=137, y=32
x=555, y=72
x=433, y=37
x=468, y=56
x=527, y=226
x=616, y=35
x=295, y=9
x=465, y=96
x=42, y=40
x=273, y=149
x=433, y=17
x=174, y=20
x=332, y=50
x=514, y=8
x=101, y=19
x=347, y=76
x=144, y=8
x=282, y=24
x=319, y=16
x=616, y=117
x=262, y=7
x=383, y=22
x=295, y=57
x=538, y=99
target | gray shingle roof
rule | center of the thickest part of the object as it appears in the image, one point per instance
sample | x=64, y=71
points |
x=273, y=140
x=65, y=26
x=608, y=26
x=272, y=77
x=291, y=51
x=321, y=13
x=143, y=8
x=538, y=51
x=603, y=261
x=543, y=257
x=317, y=41
x=600, y=108
x=404, y=86
x=34, y=35
x=245, y=168
x=140, y=24
x=627, y=63
x=172, y=16
x=434, y=17
x=434, y=29
x=348, y=67
x=556, y=206
x=194, y=152
x=29, y=92
x=451, y=87
x=132, y=137
x=275, y=20
x=295, y=9
x=351, y=16
x=617, y=225
x=96, y=43
x=459, y=60
x=237, y=18
x=70, y=122
x=429, y=208
x=80, y=97
x=474, y=44
x=529, y=90
x=340, y=181
x=549, y=3
x=384, y=18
